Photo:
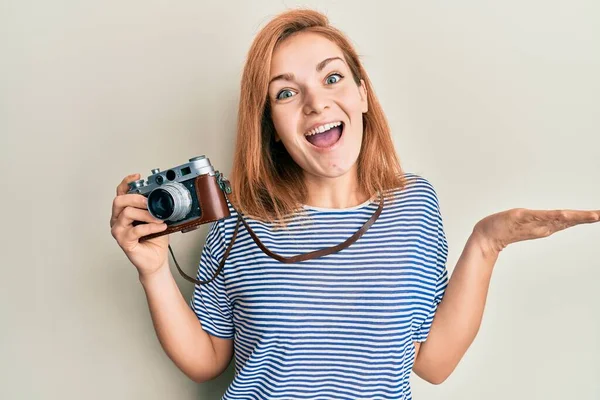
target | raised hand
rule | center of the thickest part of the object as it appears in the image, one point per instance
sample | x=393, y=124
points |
x=519, y=224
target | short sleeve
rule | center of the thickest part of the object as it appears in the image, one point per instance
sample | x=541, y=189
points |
x=210, y=302
x=441, y=246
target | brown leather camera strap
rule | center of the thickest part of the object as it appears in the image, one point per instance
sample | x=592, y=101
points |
x=287, y=260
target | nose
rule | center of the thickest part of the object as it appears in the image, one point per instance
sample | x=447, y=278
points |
x=315, y=101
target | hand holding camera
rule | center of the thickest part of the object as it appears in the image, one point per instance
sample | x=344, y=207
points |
x=148, y=256
x=179, y=199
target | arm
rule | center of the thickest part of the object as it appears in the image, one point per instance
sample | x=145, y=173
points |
x=458, y=317
x=198, y=354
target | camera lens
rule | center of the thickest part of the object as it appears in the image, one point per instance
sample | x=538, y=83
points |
x=172, y=201
x=161, y=204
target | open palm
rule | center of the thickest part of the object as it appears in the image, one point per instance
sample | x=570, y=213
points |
x=519, y=224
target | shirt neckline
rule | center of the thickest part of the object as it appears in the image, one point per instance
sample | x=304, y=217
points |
x=327, y=209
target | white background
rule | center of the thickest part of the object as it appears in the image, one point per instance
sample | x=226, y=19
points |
x=496, y=103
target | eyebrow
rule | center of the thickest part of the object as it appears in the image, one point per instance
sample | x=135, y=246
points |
x=320, y=66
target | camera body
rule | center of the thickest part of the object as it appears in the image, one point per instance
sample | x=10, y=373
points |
x=184, y=197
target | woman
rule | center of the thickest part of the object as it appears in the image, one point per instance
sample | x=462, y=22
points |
x=313, y=142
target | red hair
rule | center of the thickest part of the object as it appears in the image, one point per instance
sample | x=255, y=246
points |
x=267, y=183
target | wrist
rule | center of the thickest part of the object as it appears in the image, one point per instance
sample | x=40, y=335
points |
x=486, y=245
x=159, y=274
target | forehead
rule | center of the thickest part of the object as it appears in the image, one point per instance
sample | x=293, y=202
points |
x=302, y=50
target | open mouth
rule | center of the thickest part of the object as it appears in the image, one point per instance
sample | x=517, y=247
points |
x=327, y=137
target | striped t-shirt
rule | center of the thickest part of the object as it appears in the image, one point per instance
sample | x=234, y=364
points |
x=337, y=327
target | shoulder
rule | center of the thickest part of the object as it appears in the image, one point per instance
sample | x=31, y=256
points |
x=219, y=231
x=224, y=227
x=415, y=187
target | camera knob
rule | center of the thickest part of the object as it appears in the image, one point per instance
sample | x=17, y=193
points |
x=136, y=184
x=197, y=158
x=155, y=171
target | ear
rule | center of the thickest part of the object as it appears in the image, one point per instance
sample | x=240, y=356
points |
x=362, y=89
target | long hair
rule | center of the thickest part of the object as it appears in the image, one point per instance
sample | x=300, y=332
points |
x=267, y=183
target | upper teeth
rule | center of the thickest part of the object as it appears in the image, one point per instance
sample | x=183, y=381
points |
x=322, y=128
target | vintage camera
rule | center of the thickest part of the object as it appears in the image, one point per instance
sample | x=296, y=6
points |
x=185, y=196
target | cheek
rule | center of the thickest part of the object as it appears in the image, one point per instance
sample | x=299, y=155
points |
x=351, y=101
x=279, y=126
x=276, y=118
x=281, y=121
x=286, y=124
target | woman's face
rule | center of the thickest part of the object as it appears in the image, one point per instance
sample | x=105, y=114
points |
x=316, y=106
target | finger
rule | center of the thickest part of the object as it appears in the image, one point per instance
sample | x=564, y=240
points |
x=127, y=200
x=131, y=214
x=562, y=219
x=574, y=217
x=145, y=229
x=124, y=185
x=592, y=216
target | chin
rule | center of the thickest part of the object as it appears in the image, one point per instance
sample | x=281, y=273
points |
x=337, y=171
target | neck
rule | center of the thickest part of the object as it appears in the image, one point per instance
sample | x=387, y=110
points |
x=339, y=192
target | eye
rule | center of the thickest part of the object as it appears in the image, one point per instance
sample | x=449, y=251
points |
x=286, y=94
x=332, y=78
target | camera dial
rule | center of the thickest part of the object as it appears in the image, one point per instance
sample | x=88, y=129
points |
x=136, y=184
